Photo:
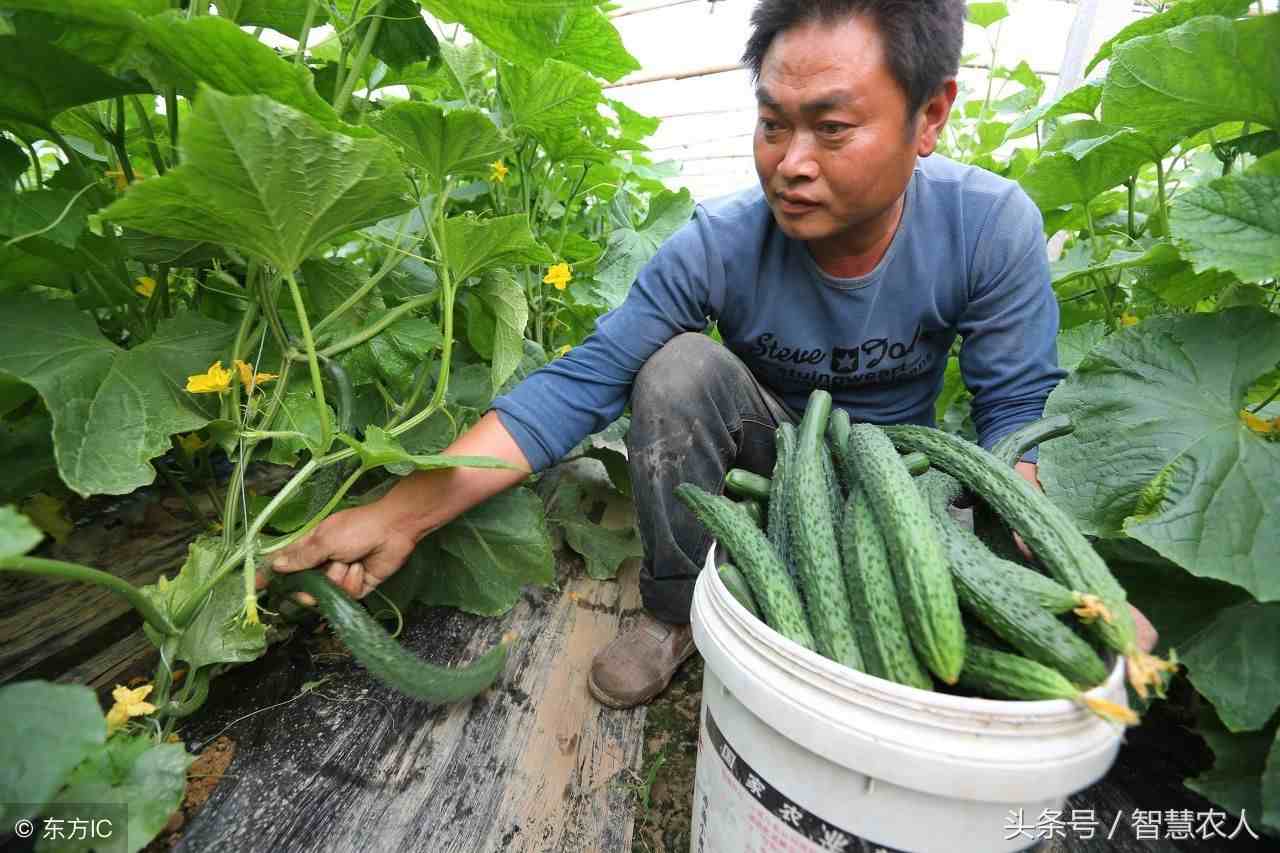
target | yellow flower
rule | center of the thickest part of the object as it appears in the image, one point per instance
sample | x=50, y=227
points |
x=564, y=349
x=191, y=442
x=129, y=703
x=146, y=286
x=213, y=381
x=1263, y=427
x=251, y=380
x=559, y=275
x=1127, y=319
x=122, y=183
x=499, y=171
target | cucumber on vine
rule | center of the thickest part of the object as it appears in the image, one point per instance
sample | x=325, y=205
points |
x=386, y=659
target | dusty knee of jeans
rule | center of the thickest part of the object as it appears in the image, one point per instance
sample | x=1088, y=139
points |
x=678, y=373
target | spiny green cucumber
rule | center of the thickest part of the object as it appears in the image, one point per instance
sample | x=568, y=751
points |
x=754, y=511
x=1010, y=449
x=837, y=440
x=386, y=659
x=923, y=580
x=1052, y=537
x=784, y=440
x=770, y=584
x=813, y=539
x=873, y=597
x=1013, y=614
x=1002, y=675
x=747, y=484
x=739, y=588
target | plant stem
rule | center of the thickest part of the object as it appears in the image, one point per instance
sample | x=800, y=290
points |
x=317, y=384
x=118, y=142
x=35, y=163
x=370, y=331
x=1133, y=188
x=171, y=117
x=1263, y=404
x=306, y=32
x=231, y=509
x=1164, y=204
x=362, y=55
x=320, y=516
x=153, y=148
x=393, y=259
x=84, y=574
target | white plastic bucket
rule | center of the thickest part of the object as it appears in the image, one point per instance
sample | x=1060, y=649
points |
x=797, y=753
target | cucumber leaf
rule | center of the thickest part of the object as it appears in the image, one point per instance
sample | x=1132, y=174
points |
x=242, y=182
x=1204, y=72
x=49, y=730
x=1231, y=225
x=1235, y=664
x=459, y=142
x=113, y=410
x=1084, y=168
x=283, y=16
x=630, y=248
x=986, y=14
x=42, y=80
x=471, y=244
x=129, y=772
x=481, y=560
x=545, y=99
x=503, y=297
x=217, y=634
x=17, y=534
x=1161, y=453
x=1074, y=344
x=1082, y=100
x=1235, y=782
x=1177, y=14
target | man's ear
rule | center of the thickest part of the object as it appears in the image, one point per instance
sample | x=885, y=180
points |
x=933, y=117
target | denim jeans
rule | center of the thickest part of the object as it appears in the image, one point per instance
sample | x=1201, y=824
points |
x=696, y=412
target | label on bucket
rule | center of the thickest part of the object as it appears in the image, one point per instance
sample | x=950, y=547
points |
x=738, y=811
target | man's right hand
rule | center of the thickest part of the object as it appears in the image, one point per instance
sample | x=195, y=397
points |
x=359, y=547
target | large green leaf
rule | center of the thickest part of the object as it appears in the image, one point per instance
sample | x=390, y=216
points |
x=1235, y=664
x=14, y=162
x=113, y=410
x=26, y=455
x=268, y=180
x=1160, y=453
x=1232, y=224
x=1177, y=14
x=48, y=730
x=1207, y=71
x=986, y=14
x=298, y=413
x=404, y=37
x=100, y=32
x=482, y=559
x=132, y=772
x=460, y=142
x=41, y=80
x=528, y=31
x=1082, y=100
x=283, y=16
x=399, y=351
x=1074, y=344
x=55, y=215
x=546, y=99
x=472, y=244
x=1235, y=782
x=216, y=635
x=630, y=249
x=1085, y=168
x=505, y=300
x=1271, y=786
x=215, y=52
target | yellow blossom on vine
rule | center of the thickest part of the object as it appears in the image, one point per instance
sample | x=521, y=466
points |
x=129, y=703
x=1262, y=426
x=563, y=350
x=1127, y=319
x=146, y=286
x=215, y=380
x=122, y=183
x=559, y=275
x=498, y=171
x=251, y=380
x=191, y=442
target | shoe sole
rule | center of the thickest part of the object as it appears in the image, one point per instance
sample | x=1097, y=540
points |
x=610, y=702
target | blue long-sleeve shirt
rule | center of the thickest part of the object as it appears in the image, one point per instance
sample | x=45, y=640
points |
x=968, y=259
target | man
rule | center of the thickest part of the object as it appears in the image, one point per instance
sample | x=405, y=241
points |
x=852, y=268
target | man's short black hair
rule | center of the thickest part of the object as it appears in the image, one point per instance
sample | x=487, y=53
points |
x=922, y=38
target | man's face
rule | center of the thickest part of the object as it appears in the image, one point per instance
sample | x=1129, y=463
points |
x=833, y=146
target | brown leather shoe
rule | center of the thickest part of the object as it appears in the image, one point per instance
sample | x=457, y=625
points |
x=639, y=664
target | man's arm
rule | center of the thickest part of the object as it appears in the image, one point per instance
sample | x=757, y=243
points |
x=1009, y=325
